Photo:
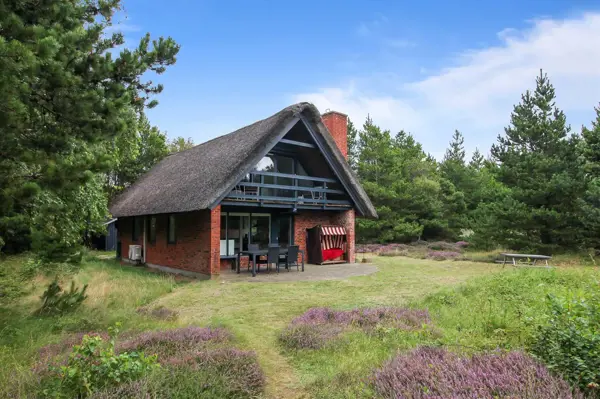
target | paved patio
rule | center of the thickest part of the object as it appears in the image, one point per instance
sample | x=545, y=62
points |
x=311, y=273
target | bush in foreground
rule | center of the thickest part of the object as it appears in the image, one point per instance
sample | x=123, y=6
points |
x=318, y=326
x=436, y=373
x=94, y=365
x=569, y=343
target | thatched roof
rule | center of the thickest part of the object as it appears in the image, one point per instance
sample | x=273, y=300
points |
x=198, y=178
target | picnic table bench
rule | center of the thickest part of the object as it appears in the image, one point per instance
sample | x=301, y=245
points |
x=528, y=259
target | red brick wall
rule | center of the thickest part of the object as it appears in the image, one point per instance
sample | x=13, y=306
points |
x=308, y=219
x=305, y=220
x=337, y=124
x=197, y=247
x=197, y=242
x=346, y=219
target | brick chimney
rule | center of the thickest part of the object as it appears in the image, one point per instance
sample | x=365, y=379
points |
x=337, y=124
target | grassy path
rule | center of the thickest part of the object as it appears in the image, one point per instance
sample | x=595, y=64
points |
x=256, y=312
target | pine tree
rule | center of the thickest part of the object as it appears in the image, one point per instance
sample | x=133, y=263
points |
x=590, y=203
x=456, y=152
x=402, y=182
x=453, y=165
x=477, y=161
x=64, y=97
x=538, y=162
x=353, y=145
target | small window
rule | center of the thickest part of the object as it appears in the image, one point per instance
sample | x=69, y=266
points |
x=136, y=228
x=172, y=228
x=152, y=229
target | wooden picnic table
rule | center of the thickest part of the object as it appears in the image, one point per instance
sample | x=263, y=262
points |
x=530, y=259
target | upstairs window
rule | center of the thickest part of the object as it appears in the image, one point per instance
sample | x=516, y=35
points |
x=265, y=165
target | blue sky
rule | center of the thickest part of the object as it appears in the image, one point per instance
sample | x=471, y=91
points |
x=428, y=67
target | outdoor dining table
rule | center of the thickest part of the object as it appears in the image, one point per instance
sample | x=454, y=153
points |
x=263, y=252
x=514, y=258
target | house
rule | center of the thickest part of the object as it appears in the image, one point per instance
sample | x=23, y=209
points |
x=266, y=183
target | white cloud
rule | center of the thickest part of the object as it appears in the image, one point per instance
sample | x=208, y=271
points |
x=476, y=93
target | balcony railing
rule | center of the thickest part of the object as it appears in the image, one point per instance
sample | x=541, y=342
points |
x=295, y=195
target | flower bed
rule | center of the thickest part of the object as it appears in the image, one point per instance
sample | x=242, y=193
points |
x=436, y=373
x=318, y=326
x=185, y=354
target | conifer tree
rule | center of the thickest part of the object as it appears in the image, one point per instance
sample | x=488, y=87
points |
x=538, y=161
x=477, y=161
x=64, y=96
x=590, y=203
x=353, y=145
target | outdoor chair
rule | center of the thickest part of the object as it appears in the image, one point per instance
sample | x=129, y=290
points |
x=273, y=257
x=292, y=257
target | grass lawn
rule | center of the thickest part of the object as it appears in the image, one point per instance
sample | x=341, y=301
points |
x=472, y=316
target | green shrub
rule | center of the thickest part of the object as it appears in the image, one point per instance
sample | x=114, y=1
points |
x=569, y=343
x=55, y=301
x=94, y=365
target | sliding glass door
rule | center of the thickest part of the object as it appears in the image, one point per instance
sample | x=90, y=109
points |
x=238, y=230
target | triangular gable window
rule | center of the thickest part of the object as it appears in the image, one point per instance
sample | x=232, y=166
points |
x=294, y=174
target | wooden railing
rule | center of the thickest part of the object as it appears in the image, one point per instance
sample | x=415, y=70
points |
x=297, y=196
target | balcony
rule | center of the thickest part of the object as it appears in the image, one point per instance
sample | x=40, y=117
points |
x=269, y=189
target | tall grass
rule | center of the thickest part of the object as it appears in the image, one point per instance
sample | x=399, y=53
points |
x=502, y=310
x=484, y=314
x=114, y=293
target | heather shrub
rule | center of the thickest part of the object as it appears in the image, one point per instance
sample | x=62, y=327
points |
x=436, y=373
x=220, y=373
x=443, y=255
x=212, y=373
x=442, y=246
x=94, y=365
x=569, y=342
x=196, y=362
x=56, y=301
x=318, y=326
x=56, y=355
x=461, y=244
x=174, y=342
x=309, y=336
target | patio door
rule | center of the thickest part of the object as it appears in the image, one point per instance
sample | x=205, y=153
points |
x=248, y=228
x=281, y=231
